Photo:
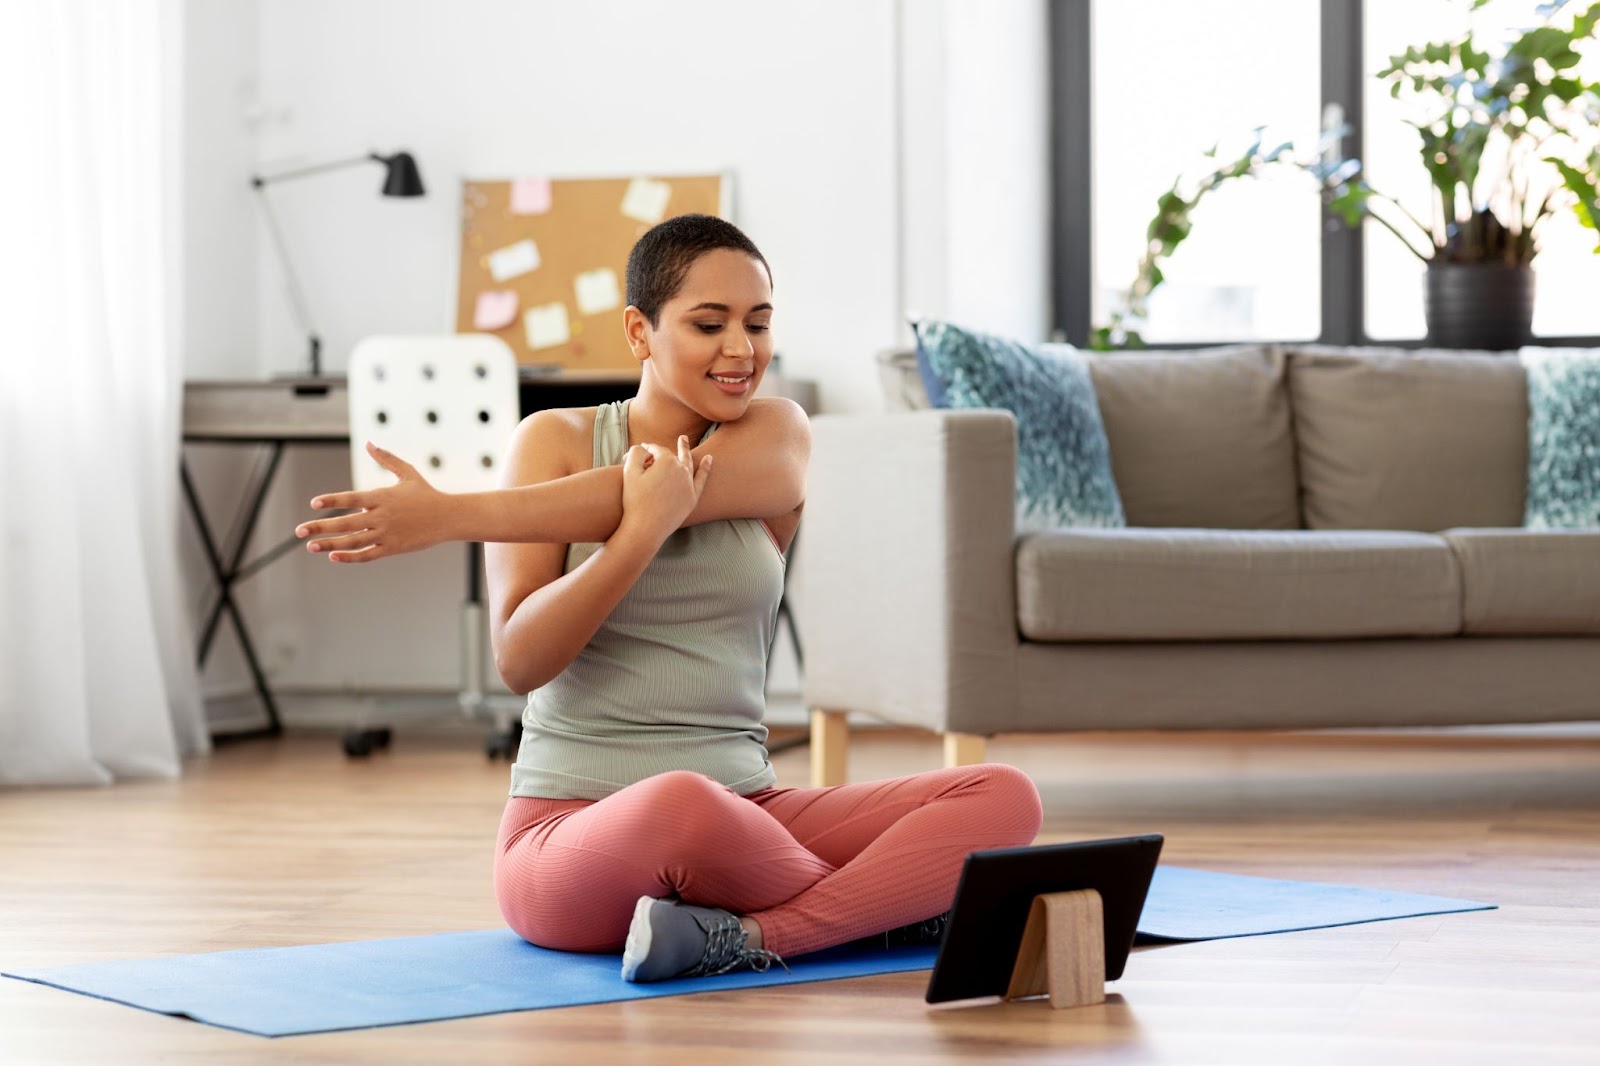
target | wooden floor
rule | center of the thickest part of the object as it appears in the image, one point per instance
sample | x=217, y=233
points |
x=284, y=842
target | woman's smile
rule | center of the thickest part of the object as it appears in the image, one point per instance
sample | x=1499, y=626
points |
x=734, y=384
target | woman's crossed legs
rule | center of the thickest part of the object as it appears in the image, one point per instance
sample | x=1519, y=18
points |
x=814, y=867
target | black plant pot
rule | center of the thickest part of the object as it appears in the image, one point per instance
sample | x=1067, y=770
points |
x=1479, y=305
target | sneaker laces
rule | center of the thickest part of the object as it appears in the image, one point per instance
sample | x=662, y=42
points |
x=726, y=950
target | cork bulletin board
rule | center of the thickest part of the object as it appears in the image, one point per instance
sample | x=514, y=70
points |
x=543, y=261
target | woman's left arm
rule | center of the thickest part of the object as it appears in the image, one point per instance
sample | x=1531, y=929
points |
x=761, y=463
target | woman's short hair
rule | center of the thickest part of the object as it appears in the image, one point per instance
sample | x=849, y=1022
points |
x=661, y=259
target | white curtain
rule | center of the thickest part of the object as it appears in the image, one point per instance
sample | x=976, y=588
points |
x=97, y=679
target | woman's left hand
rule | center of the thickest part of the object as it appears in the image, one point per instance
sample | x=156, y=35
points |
x=404, y=517
x=660, y=488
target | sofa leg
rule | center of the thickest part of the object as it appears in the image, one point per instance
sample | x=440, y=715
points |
x=830, y=744
x=964, y=749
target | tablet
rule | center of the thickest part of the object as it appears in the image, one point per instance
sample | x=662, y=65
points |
x=996, y=891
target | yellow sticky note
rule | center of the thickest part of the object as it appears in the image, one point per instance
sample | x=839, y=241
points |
x=646, y=199
x=597, y=291
x=546, y=325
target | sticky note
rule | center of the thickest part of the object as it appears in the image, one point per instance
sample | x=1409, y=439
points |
x=597, y=291
x=546, y=325
x=496, y=309
x=530, y=196
x=646, y=199
x=513, y=260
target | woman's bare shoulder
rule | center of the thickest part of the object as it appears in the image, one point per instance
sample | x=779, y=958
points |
x=780, y=407
x=554, y=442
x=773, y=416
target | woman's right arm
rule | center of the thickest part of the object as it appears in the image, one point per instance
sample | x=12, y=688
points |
x=541, y=618
x=762, y=460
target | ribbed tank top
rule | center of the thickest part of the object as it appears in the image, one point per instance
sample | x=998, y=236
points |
x=675, y=677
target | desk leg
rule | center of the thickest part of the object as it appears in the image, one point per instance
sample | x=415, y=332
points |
x=224, y=577
x=231, y=574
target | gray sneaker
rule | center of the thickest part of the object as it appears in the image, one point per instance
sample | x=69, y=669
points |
x=927, y=933
x=672, y=939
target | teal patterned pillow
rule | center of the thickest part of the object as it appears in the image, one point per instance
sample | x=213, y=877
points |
x=1063, y=458
x=1563, y=437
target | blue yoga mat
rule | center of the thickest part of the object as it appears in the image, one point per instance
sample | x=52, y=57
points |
x=355, y=985
x=1189, y=904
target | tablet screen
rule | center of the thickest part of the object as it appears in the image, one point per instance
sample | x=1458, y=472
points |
x=997, y=888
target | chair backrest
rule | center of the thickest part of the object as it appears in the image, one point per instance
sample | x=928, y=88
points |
x=446, y=404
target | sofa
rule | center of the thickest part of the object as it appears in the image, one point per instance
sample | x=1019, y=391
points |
x=1315, y=537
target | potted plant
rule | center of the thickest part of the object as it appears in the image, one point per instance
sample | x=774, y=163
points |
x=1508, y=140
x=1172, y=223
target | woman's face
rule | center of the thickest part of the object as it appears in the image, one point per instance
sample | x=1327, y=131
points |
x=714, y=339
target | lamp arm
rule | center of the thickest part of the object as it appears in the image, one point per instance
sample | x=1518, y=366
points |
x=258, y=180
x=291, y=283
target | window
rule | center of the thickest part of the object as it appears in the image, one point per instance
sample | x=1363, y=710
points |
x=1567, y=272
x=1142, y=88
x=1215, y=71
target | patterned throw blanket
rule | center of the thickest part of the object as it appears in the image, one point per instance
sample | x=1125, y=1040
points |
x=1563, y=437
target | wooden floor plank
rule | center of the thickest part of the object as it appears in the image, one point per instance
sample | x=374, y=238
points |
x=285, y=842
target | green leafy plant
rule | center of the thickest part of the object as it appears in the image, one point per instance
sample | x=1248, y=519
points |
x=1172, y=224
x=1526, y=112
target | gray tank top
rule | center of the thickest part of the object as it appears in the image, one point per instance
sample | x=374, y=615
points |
x=675, y=677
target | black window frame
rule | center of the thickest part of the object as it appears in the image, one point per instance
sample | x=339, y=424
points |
x=1071, y=83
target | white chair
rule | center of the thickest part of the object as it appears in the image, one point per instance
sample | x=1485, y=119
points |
x=447, y=404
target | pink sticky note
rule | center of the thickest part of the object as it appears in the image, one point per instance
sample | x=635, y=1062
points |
x=530, y=196
x=496, y=310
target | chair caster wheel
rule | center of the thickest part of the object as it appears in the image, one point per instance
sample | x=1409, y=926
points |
x=503, y=745
x=359, y=743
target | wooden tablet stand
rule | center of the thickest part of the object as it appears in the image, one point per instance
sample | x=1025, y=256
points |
x=1063, y=951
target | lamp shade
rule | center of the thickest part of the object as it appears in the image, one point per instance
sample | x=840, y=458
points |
x=401, y=177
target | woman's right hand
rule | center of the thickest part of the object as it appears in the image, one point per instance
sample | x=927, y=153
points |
x=404, y=517
x=660, y=488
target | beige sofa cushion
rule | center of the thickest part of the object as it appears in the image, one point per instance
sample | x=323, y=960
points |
x=1305, y=684
x=1199, y=438
x=1420, y=440
x=1528, y=582
x=1187, y=584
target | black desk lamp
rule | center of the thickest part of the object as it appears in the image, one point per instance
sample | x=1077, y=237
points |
x=400, y=178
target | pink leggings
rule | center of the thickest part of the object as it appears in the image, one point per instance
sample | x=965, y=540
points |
x=814, y=866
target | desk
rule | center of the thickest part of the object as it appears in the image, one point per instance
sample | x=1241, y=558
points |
x=275, y=414
x=272, y=415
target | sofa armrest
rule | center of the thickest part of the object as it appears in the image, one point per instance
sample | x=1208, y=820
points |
x=908, y=582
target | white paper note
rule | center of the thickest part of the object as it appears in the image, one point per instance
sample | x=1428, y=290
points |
x=597, y=291
x=513, y=260
x=546, y=325
x=646, y=200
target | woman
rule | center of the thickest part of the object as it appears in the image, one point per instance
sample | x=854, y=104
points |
x=635, y=563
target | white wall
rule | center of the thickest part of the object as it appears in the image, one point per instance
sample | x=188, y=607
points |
x=884, y=157
x=997, y=147
x=797, y=106
x=974, y=164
